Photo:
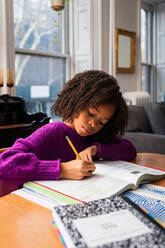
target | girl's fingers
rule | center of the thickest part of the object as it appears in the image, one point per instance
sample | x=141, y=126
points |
x=87, y=154
x=89, y=157
x=89, y=167
x=88, y=174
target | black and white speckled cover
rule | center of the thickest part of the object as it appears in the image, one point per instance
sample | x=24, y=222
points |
x=66, y=214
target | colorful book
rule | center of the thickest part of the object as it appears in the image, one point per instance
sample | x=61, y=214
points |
x=109, y=222
x=151, y=198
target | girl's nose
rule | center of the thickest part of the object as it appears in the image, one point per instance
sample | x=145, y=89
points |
x=92, y=123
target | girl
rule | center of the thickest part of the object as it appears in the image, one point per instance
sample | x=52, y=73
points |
x=94, y=113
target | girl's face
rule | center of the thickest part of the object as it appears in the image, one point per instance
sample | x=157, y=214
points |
x=92, y=120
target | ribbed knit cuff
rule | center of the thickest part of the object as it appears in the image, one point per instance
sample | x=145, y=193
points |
x=48, y=170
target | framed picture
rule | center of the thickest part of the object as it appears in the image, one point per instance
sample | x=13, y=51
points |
x=125, y=51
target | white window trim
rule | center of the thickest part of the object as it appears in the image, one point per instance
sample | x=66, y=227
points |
x=40, y=53
x=148, y=6
x=97, y=34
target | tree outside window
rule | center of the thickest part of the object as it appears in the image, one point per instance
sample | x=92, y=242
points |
x=40, y=60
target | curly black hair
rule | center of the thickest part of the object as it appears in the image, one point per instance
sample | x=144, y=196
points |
x=90, y=89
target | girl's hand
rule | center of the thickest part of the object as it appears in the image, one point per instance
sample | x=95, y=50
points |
x=77, y=169
x=88, y=153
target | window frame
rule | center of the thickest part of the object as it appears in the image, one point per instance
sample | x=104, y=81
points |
x=149, y=58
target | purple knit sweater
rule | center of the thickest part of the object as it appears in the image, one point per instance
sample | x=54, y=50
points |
x=38, y=156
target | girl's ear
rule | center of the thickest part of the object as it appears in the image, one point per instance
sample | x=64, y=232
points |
x=75, y=116
x=69, y=120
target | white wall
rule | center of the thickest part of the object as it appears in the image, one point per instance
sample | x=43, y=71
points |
x=92, y=38
x=127, y=16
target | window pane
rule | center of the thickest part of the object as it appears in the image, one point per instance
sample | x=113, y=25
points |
x=36, y=25
x=38, y=78
x=143, y=36
x=39, y=71
x=161, y=84
x=146, y=78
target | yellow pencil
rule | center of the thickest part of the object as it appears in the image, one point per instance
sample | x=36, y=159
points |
x=72, y=146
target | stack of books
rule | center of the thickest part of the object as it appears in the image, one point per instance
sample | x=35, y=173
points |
x=89, y=212
x=110, y=178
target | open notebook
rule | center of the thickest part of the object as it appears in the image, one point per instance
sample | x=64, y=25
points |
x=110, y=178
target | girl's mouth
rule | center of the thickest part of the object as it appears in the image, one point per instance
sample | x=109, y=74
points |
x=86, y=131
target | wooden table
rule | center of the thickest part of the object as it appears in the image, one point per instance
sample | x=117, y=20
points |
x=24, y=224
x=152, y=160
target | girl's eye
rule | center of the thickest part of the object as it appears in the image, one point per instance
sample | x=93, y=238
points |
x=90, y=114
x=101, y=124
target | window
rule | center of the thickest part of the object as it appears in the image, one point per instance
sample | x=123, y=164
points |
x=146, y=47
x=40, y=54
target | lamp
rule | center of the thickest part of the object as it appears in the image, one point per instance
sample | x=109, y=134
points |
x=57, y=5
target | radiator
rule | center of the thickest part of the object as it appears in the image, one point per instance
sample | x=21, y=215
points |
x=136, y=97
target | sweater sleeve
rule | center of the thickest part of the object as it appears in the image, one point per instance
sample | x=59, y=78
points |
x=21, y=163
x=121, y=149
